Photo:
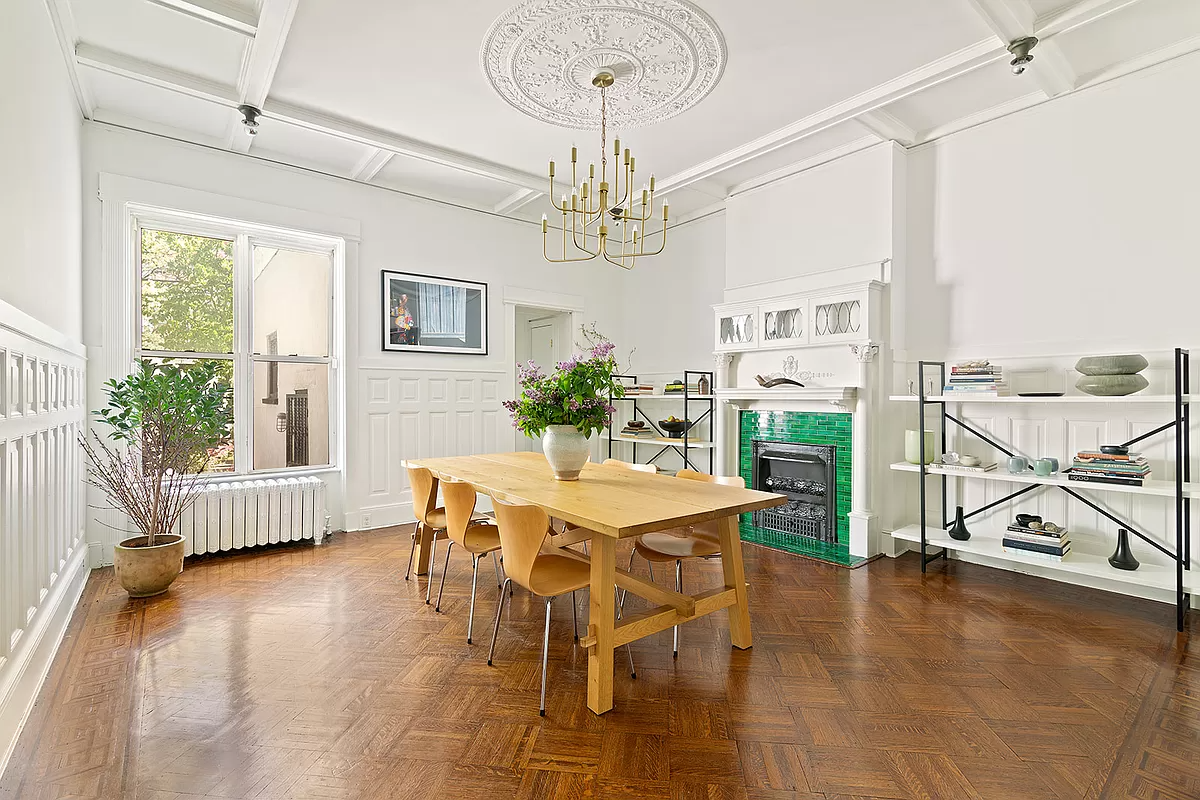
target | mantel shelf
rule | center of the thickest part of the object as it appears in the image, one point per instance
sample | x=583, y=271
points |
x=842, y=395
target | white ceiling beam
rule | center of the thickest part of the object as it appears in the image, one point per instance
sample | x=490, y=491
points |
x=400, y=145
x=1015, y=19
x=517, y=200
x=1162, y=55
x=64, y=30
x=216, y=12
x=369, y=165
x=887, y=127
x=1072, y=17
x=795, y=168
x=980, y=117
x=259, y=64
x=154, y=75
x=931, y=74
x=122, y=120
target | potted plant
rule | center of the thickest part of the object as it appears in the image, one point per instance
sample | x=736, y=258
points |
x=167, y=424
x=568, y=405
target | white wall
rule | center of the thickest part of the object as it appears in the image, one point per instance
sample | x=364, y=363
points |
x=42, y=567
x=40, y=201
x=399, y=405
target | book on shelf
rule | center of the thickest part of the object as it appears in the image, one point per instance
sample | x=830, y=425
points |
x=1042, y=535
x=1035, y=547
x=640, y=433
x=1088, y=477
x=1032, y=538
x=1112, y=466
x=1092, y=455
x=1033, y=556
x=962, y=468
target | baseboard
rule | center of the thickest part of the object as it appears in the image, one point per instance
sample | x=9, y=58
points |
x=22, y=676
x=372, y=517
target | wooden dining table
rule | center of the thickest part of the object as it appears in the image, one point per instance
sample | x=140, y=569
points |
x=611, y=503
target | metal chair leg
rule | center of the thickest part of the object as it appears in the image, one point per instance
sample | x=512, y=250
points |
x=545, y=656
x=445, y=569
x=496, y=567
x=621, y=599
x=412, y=551
x=496, y=630
x=650, y=566
x=632, y=671
x=474, y=579
x=678, y=588
x=575, y=616
x=432, y=565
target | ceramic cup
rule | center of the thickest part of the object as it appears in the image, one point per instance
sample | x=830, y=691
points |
x=1017, y=465
x=969, y=461
x=1043, y=467
x=1053, y=464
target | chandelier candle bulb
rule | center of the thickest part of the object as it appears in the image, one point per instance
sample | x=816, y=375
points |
x=545, y=224
x=592, y=170
x=551, y=169
x=574, y=154
x=616, y=147
x=651, y=180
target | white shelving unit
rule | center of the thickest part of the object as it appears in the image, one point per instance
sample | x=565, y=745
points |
x=664, y=443
x=664, y=440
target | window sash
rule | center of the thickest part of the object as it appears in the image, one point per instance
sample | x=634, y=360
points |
x=245, y=238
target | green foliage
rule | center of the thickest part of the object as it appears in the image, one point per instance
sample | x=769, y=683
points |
x=187, y=293
x=576, y=393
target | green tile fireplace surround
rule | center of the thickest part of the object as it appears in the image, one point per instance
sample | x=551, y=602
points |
x=796, y=427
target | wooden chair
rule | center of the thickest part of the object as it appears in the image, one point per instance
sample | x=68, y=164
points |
x=478, y=537
x=523, y=529
x=695, y=541
x=424, y=485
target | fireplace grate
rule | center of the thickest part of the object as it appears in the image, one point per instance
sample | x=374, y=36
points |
x=790, y=523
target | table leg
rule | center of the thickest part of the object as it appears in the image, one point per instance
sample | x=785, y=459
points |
x=735, y=578
x=601, y=616
x=424, y=545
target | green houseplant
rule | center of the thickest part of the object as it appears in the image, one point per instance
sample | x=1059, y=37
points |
x=568, y=405
x=167, y=423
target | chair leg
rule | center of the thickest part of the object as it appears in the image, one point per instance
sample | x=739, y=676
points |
x=650, y=566
x=678, y=588
x=412, y=551
x=445, y=569
x=474, y=578
x=432, y=565
x=496, y=567
x=496, y=630
x=632, y=671
x=575, y=616
x=621, y=599
x=545, y=656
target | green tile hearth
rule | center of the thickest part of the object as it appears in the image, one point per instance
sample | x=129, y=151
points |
x=807, y=428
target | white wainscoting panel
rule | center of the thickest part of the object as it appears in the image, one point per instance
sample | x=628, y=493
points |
x=418, y=413
x=42, y=567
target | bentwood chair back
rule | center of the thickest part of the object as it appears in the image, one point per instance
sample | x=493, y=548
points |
x=475, y=535
x=424, y=485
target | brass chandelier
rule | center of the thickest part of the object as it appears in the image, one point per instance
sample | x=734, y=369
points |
x=587, y=212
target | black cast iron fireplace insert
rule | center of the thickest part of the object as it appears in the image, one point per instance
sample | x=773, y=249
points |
x=807, y=475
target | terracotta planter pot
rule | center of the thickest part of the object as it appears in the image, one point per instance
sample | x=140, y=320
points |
x=146, y=571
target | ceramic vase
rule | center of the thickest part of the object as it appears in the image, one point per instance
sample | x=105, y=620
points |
x=1122, y=557
x=567, y=451
x=912, y=447
x=958, y=530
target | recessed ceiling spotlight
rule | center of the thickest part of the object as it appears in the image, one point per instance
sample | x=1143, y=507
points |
x=250, y=116
x=1021, y=49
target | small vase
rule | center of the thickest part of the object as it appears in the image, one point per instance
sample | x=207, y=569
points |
x=567, y=451
x=912, y=447
x=959, y=529
x=1122, y=557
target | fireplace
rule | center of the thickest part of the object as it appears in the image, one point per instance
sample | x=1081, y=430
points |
x=807, y=475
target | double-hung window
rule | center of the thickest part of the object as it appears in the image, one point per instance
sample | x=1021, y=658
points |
x=261, y=302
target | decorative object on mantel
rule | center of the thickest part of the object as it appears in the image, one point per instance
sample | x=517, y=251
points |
x=1122, y=557
x=791, y=370
x=977, y=379
x=567, y=406
x=912, y=447
x=1111, y=376
x=958, y=530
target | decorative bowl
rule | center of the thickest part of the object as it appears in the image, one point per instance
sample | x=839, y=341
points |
x=1112, y=365
x=675, y=429
x=969, y=461
x=1114, y=449
x=1111, y=385
x=1024, y=519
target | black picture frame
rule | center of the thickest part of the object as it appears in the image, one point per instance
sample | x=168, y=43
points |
x=395, y=313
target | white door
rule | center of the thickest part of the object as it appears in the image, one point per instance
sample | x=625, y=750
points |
x=541, y=349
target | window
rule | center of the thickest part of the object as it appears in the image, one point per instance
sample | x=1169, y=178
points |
x=259, y=303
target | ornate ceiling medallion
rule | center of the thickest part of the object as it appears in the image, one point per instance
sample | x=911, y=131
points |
x=666, y=55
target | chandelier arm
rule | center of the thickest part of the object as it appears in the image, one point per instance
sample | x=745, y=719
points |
x=662, y=245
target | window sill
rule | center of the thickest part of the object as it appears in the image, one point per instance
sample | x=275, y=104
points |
x=279, y=474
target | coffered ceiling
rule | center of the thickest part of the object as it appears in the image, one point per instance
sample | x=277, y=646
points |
x=392, y=93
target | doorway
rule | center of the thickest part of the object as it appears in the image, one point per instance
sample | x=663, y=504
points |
x=543, y=336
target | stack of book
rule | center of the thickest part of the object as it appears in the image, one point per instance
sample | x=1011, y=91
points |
x=978, y=378
x=676, y=387
x=639, y=388
x=1037, y=544
x=1130, y=469
x=639, y=429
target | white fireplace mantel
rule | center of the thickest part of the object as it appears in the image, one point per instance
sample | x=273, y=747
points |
x=744, y=397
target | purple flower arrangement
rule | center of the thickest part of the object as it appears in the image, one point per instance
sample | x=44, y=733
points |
x=576, y=393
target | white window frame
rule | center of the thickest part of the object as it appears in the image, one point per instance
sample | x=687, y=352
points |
x=245, y=236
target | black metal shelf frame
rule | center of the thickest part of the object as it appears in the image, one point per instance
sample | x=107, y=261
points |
x=688, y=399
x=1180, y=424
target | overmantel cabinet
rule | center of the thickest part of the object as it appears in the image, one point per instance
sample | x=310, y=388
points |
x=830, y=316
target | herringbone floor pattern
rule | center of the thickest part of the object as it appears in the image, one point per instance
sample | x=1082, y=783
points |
x=319, y=673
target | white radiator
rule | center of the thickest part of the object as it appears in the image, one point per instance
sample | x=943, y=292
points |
x=230, y=516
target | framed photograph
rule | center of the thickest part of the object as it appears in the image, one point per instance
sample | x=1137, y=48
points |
x=425, y=314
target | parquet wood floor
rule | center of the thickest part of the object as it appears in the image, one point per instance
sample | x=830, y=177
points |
x=319, y=673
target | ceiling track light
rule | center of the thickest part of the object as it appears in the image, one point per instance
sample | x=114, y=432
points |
x=1022, y=53
x=250, y=116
